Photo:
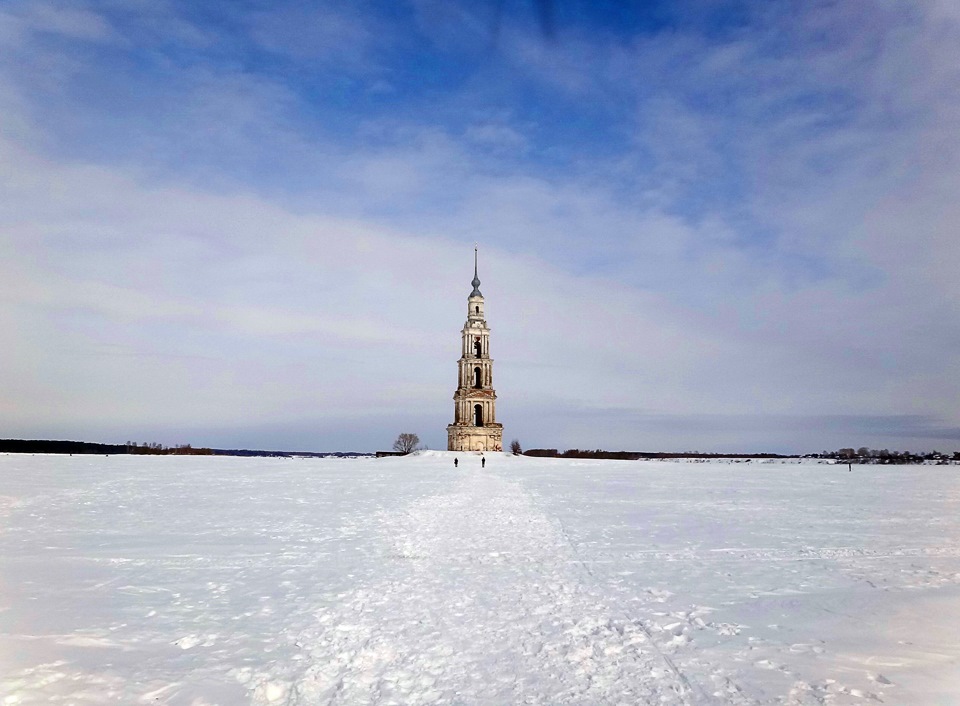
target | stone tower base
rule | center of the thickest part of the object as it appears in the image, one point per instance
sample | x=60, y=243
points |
x=462, y=437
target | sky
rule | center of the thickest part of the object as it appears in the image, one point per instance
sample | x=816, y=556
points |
x=703, y=225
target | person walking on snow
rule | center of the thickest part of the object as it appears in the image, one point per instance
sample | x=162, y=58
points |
x=483, y=462
x=455, y=461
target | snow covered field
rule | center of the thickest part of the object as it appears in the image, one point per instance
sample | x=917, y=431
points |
x=199, y=581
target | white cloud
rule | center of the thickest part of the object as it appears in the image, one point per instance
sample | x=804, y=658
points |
x=496, y=136
x=19, y=20
x=316, y=32
x=253, y=314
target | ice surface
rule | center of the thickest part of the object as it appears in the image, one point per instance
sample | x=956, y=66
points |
x=202, y=581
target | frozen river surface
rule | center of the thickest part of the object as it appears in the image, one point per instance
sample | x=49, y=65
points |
x=201, y=581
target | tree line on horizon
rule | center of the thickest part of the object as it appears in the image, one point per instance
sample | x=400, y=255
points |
x=861, y=455
x=51, y=446
x=409, y=442
x=156, y=449
x=639, y=455
x=885, y=456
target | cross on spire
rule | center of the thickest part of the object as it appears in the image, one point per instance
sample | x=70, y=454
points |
x=476, y=279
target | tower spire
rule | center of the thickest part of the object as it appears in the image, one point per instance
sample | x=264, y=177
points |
x=476, y=280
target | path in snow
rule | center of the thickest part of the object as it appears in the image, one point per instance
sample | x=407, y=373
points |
x=488, y=604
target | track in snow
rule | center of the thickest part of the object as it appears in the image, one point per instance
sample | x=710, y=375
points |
x=487, y=603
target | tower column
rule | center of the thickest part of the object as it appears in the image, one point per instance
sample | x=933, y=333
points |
x=475, y=391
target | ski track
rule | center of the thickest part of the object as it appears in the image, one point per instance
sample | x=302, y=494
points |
x=489, y=604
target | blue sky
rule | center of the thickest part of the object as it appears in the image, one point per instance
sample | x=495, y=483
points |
x=703, y=225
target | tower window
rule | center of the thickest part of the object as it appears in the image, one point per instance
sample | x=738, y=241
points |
x=477, y=308
x=478, y=415
x=477, y=378
x=476, y=348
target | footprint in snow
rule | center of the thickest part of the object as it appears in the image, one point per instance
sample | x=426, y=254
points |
x=188, y=642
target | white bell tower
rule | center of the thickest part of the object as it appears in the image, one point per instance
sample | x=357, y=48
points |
x=474, y=425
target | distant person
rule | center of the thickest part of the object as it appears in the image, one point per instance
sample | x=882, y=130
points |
x=456, y=461
x=483, y=462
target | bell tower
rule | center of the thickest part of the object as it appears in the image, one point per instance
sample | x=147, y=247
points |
x=474, y=425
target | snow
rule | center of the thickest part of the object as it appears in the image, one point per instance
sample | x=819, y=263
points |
x=212, y=580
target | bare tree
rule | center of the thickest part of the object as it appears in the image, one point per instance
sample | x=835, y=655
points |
x=515, y=447
x=406, y=443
